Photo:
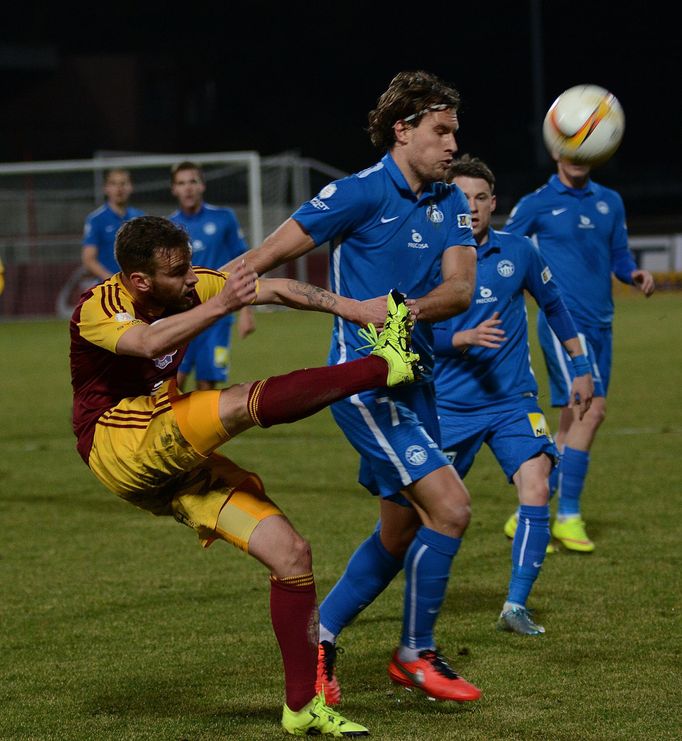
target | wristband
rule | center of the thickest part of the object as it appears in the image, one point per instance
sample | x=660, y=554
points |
x=581, y=365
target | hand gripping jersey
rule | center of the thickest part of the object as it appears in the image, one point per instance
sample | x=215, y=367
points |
x=382, y=236
x=101, y=378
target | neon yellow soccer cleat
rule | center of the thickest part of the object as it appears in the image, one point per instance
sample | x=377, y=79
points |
x=318, y=719
x=571, y=534
x=393, y=342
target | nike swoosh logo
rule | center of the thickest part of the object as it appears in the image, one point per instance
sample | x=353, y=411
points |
x=557, y=211
x=536, y=564
x=385, y=221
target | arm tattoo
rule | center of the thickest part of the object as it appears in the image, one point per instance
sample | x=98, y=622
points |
x=315, y=295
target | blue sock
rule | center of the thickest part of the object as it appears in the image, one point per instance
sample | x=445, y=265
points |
x=528, y=551
x=369, y=571
x=427, y=571
x=574, y=464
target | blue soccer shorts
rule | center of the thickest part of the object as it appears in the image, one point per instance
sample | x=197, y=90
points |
x=208, y=354
x=514, y=436
x=396, y=433
x=597, y=345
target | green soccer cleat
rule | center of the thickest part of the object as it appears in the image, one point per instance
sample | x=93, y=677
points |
x=510, y=531
x=393, y=342
x=518, y=620
x=318, y=719
x=571, y=533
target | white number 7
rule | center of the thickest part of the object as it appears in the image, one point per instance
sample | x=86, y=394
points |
x=395, y=420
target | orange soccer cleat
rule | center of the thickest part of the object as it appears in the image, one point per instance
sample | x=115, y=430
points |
x=431, y=674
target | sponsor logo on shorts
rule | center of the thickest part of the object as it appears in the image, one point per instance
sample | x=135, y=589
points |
x=416, y=455
x=538, y=424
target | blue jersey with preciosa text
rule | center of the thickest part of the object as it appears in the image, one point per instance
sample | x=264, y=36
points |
x=382, y=237
x=582, y=234
x=488, y=378
x=100, y=230
x=215, y=235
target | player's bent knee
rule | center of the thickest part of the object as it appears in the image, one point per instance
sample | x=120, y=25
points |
x=276, y=544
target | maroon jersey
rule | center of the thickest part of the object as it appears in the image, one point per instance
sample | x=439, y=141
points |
x=101, y=378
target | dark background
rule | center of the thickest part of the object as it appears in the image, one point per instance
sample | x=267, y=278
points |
x=301, y=77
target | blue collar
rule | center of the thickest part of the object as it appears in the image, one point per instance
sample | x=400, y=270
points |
x=576, y=192
x=492, y=245
x=399, y=179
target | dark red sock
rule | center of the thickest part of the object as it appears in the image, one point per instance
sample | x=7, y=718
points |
x=293, y=610
x=280, y=399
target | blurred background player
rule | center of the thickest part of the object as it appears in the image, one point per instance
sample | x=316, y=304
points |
x=216, y=238
x=486, y=390
x=101, y=225
x=155, y=447
x=581, y=230
x=397, y=224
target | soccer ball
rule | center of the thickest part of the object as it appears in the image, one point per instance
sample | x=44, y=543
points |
x=584, y=124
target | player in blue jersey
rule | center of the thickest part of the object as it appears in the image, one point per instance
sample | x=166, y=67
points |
x=101, y=225
x=581, y=231
x=485, y=387
x=397, y=224
x=216, y=239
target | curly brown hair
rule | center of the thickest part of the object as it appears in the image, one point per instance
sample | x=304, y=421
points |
x=139, y=241
x=470, y=167
x=409, y=95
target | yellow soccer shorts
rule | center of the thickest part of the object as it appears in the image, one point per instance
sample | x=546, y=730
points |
x=156, y=452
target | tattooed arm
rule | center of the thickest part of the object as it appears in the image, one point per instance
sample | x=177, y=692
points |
x=306, y=297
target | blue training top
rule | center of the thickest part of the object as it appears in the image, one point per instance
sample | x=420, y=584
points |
x=215, y=235
x=100, y=230
x=491, y=379
x=383, y=236
x=583, y=236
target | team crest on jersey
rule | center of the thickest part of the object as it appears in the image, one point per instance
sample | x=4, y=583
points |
x=416, y=455
x=538, y=424
x=546, y=275
x=123, y=316
x=602, y=207
x=328, y=191
x=434, y=214
x=505, y=268
x=464, y=221
x=165, y=361
x=210, y=228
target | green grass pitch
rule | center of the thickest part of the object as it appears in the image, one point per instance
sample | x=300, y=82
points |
x=116, y=625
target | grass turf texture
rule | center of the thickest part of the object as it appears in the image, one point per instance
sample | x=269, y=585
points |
x=116, y=625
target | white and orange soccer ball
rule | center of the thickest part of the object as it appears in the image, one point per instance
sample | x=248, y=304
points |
x=585, y=124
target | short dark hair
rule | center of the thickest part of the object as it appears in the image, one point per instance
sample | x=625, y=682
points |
x=186, y=165
x=408, y=94
x=471, y=167
x=117, y=171
x=139, y=241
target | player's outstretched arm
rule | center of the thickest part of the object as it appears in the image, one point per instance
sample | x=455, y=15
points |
x=167, y=334
x=286, y=243
x=306, y=297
